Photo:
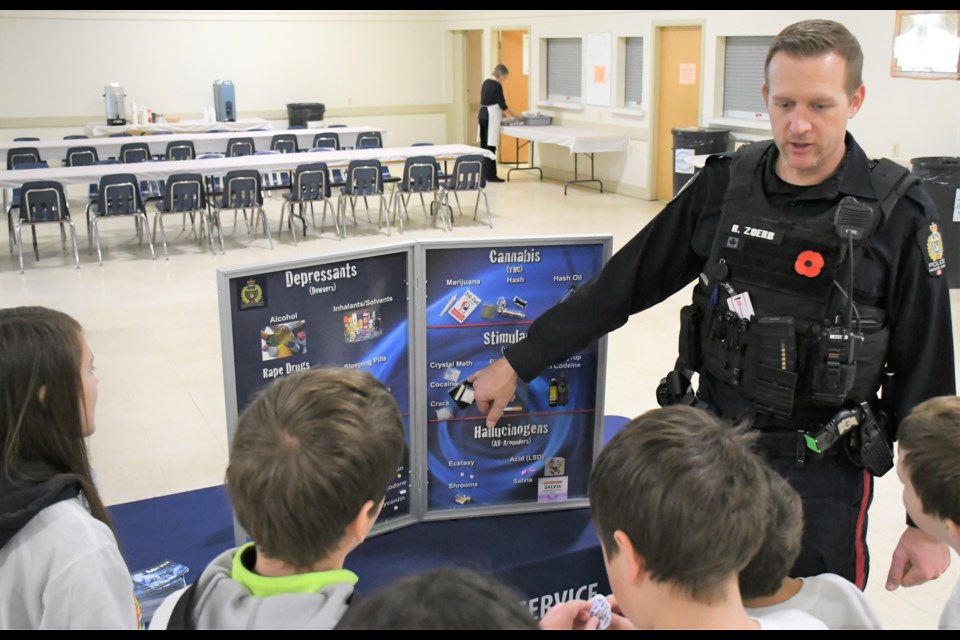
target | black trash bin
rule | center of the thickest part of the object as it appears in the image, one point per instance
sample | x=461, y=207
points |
x=694, y=141
x=941, y=179
x=302, y=113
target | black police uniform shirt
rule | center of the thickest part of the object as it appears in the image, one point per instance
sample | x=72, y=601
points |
x=672, y=250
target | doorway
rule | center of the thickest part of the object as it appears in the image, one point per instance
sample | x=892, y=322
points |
x=678, y=103
x=513, y=52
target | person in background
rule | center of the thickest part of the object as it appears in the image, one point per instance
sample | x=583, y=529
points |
x=453, y=598
x=60, y=567
x=678, y=498
x=310, y=463
x=492, y=107
x=766, y=589
x=929, y=467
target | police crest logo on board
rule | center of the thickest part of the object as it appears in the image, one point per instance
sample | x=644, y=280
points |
x=252, y=294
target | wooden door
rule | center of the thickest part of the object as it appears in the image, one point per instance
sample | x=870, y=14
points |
x=678, y=103
x=516, y=89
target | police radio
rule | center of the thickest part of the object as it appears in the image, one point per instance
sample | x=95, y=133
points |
x=835, y=366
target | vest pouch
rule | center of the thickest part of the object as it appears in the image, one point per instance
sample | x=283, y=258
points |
x=690, y=349
x=723, y=345
x=871, y=357
x=834, y=367
x=770, y=379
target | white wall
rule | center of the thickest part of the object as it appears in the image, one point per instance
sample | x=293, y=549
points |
x=902, y=118
x=54, y=64
x=394, y=69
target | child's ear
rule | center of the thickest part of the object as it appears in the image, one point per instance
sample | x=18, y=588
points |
x=634, y=562
x=953, y=531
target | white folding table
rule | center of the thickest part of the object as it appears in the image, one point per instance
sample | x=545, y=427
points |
x=98, y=129
x=586, y=141
x=53, y=151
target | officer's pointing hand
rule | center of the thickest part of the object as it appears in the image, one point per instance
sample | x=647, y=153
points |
x=494, y=387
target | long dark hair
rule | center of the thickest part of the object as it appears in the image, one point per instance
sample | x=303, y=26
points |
x=43, y=436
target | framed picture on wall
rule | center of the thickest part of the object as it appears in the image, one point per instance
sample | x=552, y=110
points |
x=926, y=44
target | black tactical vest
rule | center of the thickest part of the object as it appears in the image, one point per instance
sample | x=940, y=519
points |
x=801, y=348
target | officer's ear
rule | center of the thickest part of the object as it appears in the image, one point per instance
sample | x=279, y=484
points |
x=856, y=100
x=763, y=92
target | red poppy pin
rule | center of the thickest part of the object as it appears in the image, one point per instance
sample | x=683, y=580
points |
x=809, y=263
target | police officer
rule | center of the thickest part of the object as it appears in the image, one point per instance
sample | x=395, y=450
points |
x=777, y=237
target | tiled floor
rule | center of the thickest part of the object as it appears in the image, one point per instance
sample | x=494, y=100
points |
x=155, y=331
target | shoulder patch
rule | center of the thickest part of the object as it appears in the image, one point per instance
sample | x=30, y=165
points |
x=931, y=247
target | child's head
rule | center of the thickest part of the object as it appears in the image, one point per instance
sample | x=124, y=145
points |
x=453, y=599
x=783, y=533
x=48, y=397
x=678, y=499
x=929, y=467
x=310, y=463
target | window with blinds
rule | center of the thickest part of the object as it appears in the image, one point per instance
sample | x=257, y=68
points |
x=743, y=75
x=564, y=69
x=633, y=73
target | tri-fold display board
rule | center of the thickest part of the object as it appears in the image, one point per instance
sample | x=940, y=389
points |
x=422, y=317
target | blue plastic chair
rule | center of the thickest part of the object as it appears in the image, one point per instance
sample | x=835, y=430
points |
x=419, y=176
x=241, y=191
x=284, y=143
x=134, y=152
x=467, y=175
x=120, y=197
x=26, y=139
x=76, y=136
x=180, y=150
x=369, y=140
x=20, y=163
x=16, y=155
x=327, y=139
x=311, y=183
x=81, y=156
x=364, y=178
x=184, y=193
x=44, y=202
x=237, y=147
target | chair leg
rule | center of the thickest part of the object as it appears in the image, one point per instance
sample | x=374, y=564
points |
x=163, y=233
x=266, y=227
x=293, y=227
x=146, y=225
x=283, y=211
x=19, y=246
x=96, y=234
x=36, y=249
x=476, y=205
x=486, y=203
x=73, y=236
x=456, y=197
